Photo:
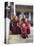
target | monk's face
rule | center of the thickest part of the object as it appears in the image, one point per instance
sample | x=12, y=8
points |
x=16, y=18
x=23, y=25
x=24, y=16
x=26, y=20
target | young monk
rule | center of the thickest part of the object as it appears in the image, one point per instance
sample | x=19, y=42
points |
x=19, y=26
x=13, y=25
x=23, y=18
x=27, y=23
x=23, y=31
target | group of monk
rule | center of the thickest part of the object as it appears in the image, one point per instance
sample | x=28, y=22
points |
x=18, y=26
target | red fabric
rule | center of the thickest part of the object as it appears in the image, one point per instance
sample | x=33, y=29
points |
x=14, y=30
x=27, y=24
x=20, y=25
x=23, y=29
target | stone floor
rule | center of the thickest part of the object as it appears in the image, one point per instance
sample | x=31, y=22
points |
x=19, y=39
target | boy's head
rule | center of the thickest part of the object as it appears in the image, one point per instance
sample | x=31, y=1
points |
x=16, y=18
x=24, y=16
x=23, y=25
x=21, y=22
x=26, y=20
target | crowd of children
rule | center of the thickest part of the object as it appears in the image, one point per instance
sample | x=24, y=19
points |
x=18, y=26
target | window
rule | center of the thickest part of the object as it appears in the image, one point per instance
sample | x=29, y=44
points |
x=26, y=14
x=18, y=13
